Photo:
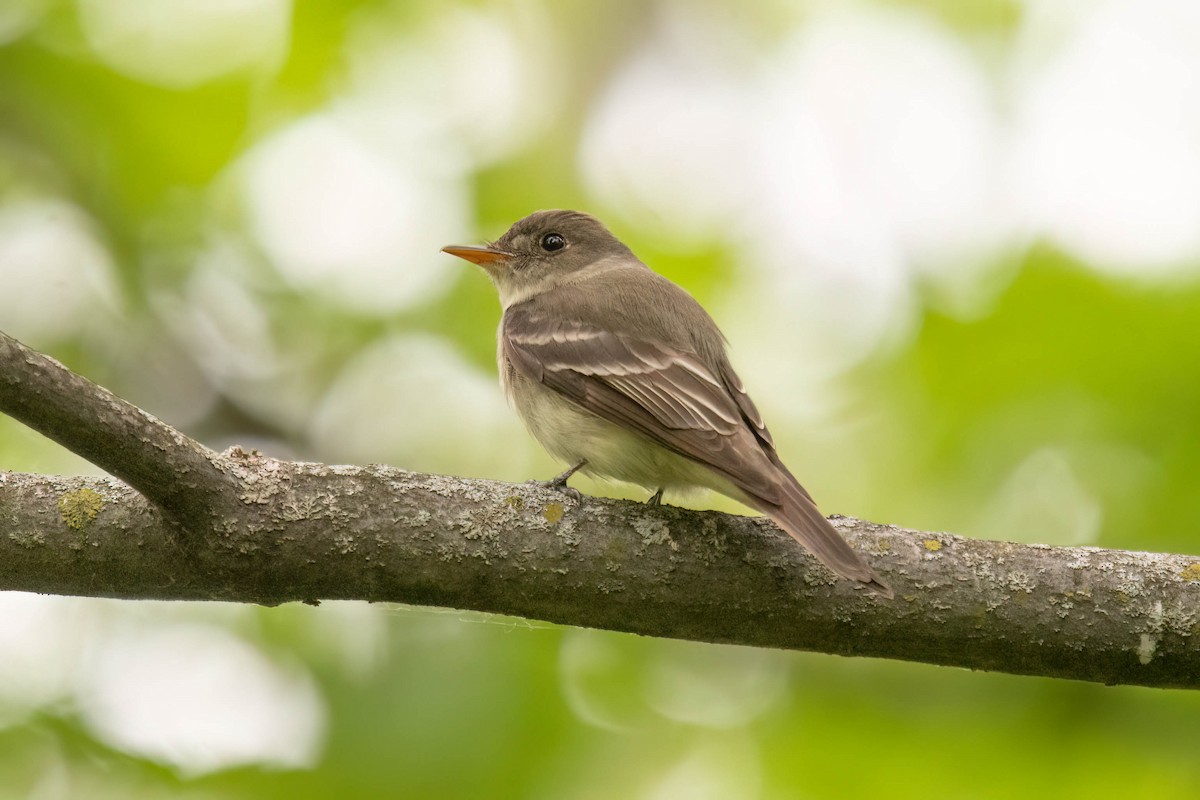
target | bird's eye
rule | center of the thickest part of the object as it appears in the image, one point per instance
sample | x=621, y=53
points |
x=553, y=241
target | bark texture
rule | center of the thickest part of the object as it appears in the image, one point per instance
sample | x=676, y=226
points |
x=243, y=527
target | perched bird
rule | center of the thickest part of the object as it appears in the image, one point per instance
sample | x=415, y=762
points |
x=620, y=373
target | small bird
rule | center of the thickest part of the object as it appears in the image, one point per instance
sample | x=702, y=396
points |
x=620, y=373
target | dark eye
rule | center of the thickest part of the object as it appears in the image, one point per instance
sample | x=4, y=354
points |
x=553, y=241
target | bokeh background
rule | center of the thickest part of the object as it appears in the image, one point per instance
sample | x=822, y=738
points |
x=955, y=246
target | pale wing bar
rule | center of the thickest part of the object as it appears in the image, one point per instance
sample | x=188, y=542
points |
x=675, y=387
x=668, y=397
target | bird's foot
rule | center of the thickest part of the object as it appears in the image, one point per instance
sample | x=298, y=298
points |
x=559, y=482
x=656, y=498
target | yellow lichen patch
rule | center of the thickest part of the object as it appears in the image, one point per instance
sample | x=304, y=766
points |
x=933, y=545
x=1191, y=572
x=515, y=502
x=80, y=507
x=553, y=513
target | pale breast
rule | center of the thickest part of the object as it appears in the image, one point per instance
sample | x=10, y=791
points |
x=570, y=434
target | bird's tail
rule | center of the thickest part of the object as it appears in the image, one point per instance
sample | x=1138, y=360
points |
x=798, y=515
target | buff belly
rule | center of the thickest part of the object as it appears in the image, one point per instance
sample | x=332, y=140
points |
x=571, y=434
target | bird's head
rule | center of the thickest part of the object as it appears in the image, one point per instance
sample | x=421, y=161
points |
x=542, y=251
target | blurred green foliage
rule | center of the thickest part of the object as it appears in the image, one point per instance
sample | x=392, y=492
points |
x=1066, y=360
x=1096, y=372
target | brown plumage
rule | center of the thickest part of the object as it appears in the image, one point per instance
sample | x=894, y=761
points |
x=611, y=364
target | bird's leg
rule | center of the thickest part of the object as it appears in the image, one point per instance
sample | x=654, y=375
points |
x=559, y=482
x=656, y=498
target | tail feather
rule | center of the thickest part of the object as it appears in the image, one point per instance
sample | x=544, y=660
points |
x=798, y=515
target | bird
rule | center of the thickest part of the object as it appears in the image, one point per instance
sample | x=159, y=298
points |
x=621, y=374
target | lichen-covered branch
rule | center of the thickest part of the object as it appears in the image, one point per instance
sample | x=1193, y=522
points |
x=310, y=531
x=185, y=479
x=282, y=531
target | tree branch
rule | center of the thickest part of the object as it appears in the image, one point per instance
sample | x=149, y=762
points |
x=300, y=531
x=182, y=477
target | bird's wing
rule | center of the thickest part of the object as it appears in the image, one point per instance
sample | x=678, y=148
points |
x=666, y=394
x=745, y=405
x=672, y=397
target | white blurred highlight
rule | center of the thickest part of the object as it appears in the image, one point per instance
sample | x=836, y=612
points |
x=684, y=682
x=877, y=149
x=200, y=699
x=356, y=201
x=156, y=373
x=596, y=670
x=227, y=327
x=413, y=401
x=180, y=44
x=874, y=167
x=867, y=149
x=458, y=82
x=41, y=640
x=336, y=213
x=1043, y=501
x=1109, y=147
x=858, y=155
x=255, y=359
x=725, y=687
x=351, y=634
x=55, y=272
x=720, y=768
x=665, y=147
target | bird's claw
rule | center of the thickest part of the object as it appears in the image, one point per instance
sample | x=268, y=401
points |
x=559, y=486
x=559, y=483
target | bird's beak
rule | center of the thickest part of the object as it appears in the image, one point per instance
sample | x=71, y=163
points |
x=483, y=256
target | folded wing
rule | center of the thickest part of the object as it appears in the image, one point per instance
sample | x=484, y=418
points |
x=672, y=397
x=665, y=394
